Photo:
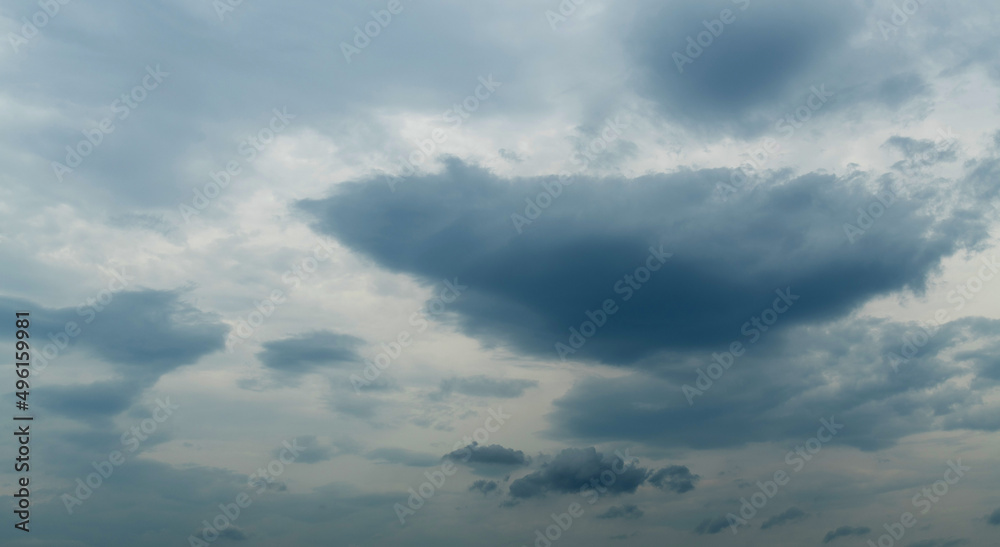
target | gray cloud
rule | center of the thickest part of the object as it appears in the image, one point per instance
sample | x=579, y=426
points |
x=676, y=478
x=784, y=380
x=485, y=486
x=310, y=351
x=143, y=334
x=846, y=531
x=994, y=517
x=756, y=65
x=729, y=256
x=791, y=515
x=491, y=454
x=627, y=511
x=577, y=469
x=310, y=450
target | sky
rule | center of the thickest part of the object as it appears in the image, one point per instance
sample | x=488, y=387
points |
x=520, y=273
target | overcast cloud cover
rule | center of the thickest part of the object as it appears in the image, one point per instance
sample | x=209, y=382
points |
x=578, y=272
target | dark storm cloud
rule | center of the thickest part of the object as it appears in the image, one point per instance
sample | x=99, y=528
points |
x=95, y=400
x=483, y=386
x=729, y=256
x=627, y=511
x=785, y=384
x=485, y=486
x=765, y=61
x=845, y=531
x=791, y=515
x=492, y=454
x=575, y=469
x=144, y=334
x=676, y=478
x=309, y=450
x=759, y=60
x=994, y=517
x=310, y=351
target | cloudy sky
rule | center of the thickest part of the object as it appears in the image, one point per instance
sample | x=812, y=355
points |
x=676, y=272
